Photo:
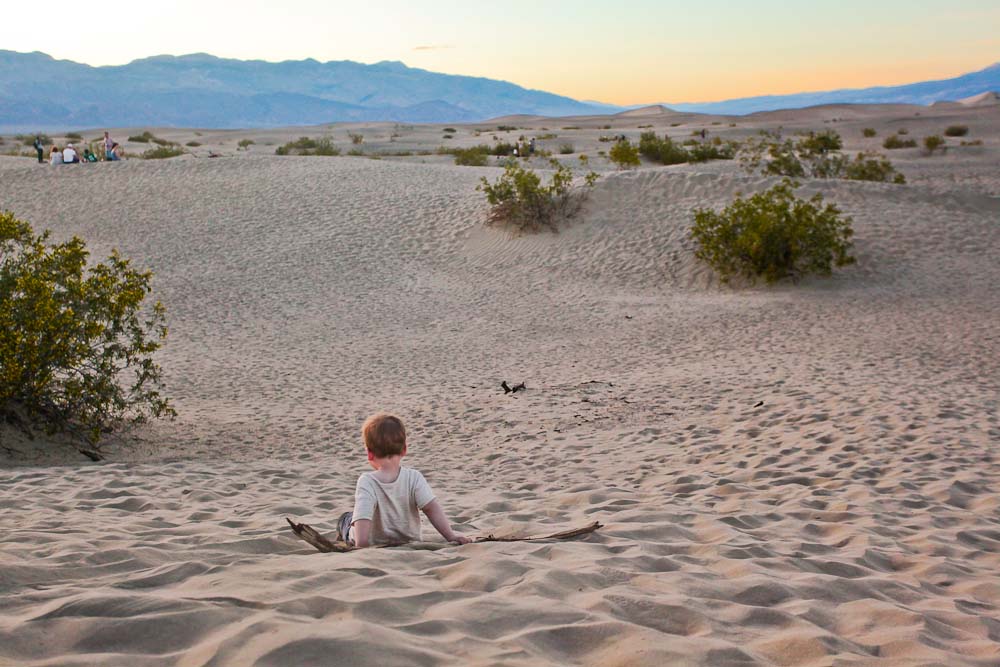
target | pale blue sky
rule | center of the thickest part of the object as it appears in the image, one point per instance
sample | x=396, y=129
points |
x=632, y=51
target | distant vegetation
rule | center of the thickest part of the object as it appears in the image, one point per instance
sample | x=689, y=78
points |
x=148, y=137
x=162, y=152
x=245, y=143
x=471, y=157
x=306, y=146
x=520, y=201
x=76, y=339
x=566, y=149
x=869, y=132
x=956, y=131
x=449, y=130
x=356, y=138
x=75, y=136
x=667, y=151
x=29, y=139
x=934, y=143
x=816, y=155
x=893, y=142
x=193, y=144
x=624, y=154
x=773, y=235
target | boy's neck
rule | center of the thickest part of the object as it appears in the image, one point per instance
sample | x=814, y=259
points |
x=387, y=469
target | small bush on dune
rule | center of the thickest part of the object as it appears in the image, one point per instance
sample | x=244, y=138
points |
x=820, y=143
x=773, y=235
x=449, y=130
x=143, y=138
x=934, y=143
x=956, y=131
x=193, y=144
x=869, y=132
x=29, y=139
x=245, y=143
x=356, y=138
x=477, y=156
x=76, y=340
x=902, y=131
x=893, y=142
x=566, y=149
x=162, y=152
x=624, y=154
x=520, y=200
x=306, y=146
x=975, y=142
x=662, y=150
x=872, y=167
x=75, y=136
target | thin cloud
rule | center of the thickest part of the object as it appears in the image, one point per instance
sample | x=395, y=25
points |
x=433, y=47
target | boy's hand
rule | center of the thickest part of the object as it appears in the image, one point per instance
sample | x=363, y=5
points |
x=461, y=539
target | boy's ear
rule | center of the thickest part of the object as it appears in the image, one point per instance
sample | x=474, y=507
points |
x=403, y=452
x=371, y=457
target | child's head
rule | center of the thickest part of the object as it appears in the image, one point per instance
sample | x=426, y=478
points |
x=384, y=436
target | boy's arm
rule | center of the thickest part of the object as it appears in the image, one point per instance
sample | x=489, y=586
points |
x=362, y=529
x=435, y=514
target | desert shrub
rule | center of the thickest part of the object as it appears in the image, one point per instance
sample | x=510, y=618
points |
x=547, y=136
x=520, y=200
x=566, y=149
x=820, y=143
x=956, y=131
x=975, y=142
x=448, y=136
x=933, y=143
x=245, y=143
x=871, y=167
x=903, y=130
x=703, y=152
x=356, y=138
x=869, y=132
x=472, y=157
x=306, y=146
x=449, y=130
x=193, y=144
x=76, y=342
x=506, y=128
x=29, y=139
x=163, y=142
x=893, y=142
x=75, y=136
x=605, y=127
x=624, y=154
x=143, y=138
x=572, y=127
x=773, y=235
x=162, y=152
x=661, y=150
x=503, y=148
x=356, y=152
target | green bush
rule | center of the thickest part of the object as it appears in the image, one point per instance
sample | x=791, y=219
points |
x=143, y=138
x=869, y=132
x=956, y=131
x=820, y=143
x=773, y=235
x=245, y=143
x=872, y=167
x=703, y=152
x=933, y=143
x=903, y=130
x=162, y=152
x=662, y=150
x=76, y=341
x=471, y=157
x=566, y=149
x=624, y=154
x=193, y=144
x=306, y=146
x=356, y=138
x=893, y=142
x=974, y=142
x=75, y=136
x=518, y=198
x=450, y=130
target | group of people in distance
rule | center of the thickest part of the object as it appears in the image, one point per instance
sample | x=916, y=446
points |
x=69, y=155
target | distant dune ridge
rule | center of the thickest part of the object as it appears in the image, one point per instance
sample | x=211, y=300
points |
x=201, y=90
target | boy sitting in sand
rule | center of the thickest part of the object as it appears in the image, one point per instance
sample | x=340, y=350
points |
x=386, y=502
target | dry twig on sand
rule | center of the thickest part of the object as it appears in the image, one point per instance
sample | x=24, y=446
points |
x=310, y=535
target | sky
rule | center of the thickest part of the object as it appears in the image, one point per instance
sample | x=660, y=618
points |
x=624, y=52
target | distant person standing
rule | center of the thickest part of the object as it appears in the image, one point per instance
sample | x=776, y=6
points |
x=109, y=147
x=40, y=149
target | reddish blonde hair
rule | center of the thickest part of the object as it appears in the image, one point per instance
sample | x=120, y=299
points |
x=384, y=435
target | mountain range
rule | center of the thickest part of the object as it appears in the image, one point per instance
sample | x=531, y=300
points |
x=38, y=92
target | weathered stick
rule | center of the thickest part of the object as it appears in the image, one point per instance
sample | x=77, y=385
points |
x=310, y=535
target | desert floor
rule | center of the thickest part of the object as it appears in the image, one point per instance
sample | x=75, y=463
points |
x=805, y=474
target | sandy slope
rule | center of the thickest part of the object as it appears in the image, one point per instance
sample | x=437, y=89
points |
x=852, y=519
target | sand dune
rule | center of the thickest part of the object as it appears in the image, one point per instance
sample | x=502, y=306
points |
x=852, y=518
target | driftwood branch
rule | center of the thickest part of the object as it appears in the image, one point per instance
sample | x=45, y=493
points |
x=310, y=535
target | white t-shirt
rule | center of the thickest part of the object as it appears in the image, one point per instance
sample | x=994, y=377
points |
x=393, y=508
x=69, y=155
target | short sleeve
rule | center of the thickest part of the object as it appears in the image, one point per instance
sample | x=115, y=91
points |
x=364, y=501
x=422, y=494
